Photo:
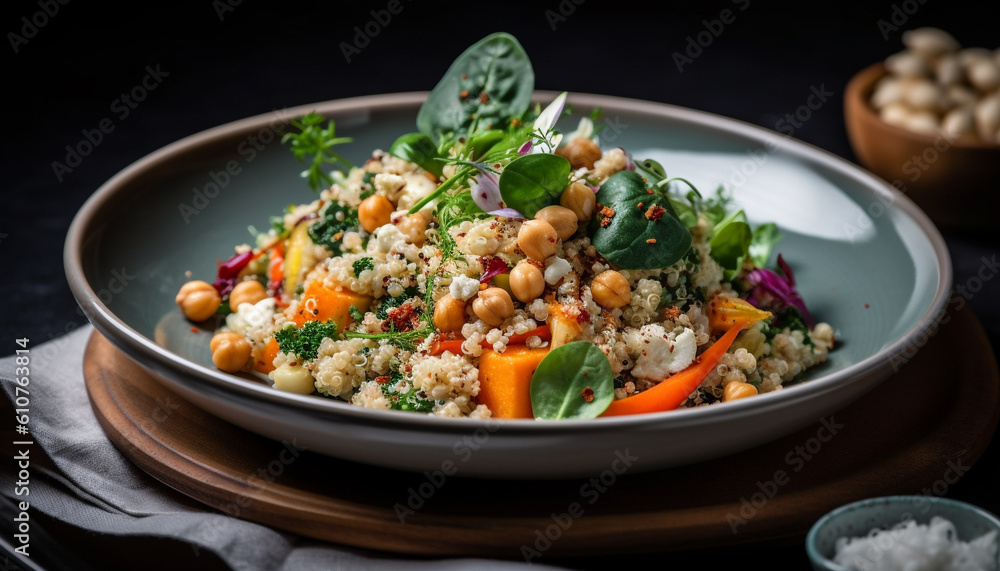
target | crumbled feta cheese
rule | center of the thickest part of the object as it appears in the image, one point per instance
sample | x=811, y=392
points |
x=663, y=353
x=463, y=287
x=555, y=269
x=386, y=237
x=389, y=185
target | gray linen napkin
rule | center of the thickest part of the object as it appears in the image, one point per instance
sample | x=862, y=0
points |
x=79, y=477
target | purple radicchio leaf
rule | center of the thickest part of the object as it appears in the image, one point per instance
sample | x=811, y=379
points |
x=779, y=287
x=493, y=268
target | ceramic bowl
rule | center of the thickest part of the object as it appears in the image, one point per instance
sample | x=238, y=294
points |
x=858, y=518
x=866, y=260
x=953, y=180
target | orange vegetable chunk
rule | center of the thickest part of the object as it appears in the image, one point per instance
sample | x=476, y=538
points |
x=505, y=380
x=265, y=362
x=320, y=303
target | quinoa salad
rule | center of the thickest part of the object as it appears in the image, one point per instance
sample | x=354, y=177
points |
x=490, y=265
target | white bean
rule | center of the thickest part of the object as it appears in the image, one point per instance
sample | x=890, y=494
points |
x=948, y=70
x=969, y=55
x=923, y=122
x=923, y=94
x=896, y=114
x=930, y=41
x=888, y=90
x=959, y=121
x=987, y=115
x=907, y=64
x=984, y=74
x=960, y=95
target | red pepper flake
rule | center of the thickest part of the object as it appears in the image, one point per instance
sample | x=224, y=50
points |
x=655, y=212
x=640, y=205
x=583, y=317
x=464, y=93
x=293, y=364
x=483, y=98
x=194, y=330
x=649, y=191
x=867, y=306
x=464, y=76
x=515, y=123
x=588, y=394
x=608, y=213
x=382, y=379
x=402, y=318
x=672, y=312
x=651, y=241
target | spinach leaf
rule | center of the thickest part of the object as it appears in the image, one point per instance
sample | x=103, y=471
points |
x=637, y=237
x=419, y=149
x=764, y=238
x=480, y=144
x=532, y=182
x=730, y=242
x=572, y=381
x=490, y=82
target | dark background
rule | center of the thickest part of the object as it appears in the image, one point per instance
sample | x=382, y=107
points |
x=226, y=62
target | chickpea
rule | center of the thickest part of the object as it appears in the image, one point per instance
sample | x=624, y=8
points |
x=449, y=314
x=374, y=211
x=493, y=306
x=249, y=291
x=738, y=390
x=198, y=300
x=581, y=152
x=579, y=198
x=414, y=226
x=537, y=238
x=230, y=351
x=294, y=379
x=561, y=218
x=527, y=281
x=610, y=290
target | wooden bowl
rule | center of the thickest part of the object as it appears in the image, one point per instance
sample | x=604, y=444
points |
x=954, y=180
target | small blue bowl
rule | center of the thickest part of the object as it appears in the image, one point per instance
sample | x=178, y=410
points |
x=859, y=518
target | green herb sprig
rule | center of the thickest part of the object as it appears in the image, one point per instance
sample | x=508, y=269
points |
x=315, y=143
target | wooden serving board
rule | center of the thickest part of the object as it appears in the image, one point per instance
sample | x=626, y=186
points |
x=937, y=414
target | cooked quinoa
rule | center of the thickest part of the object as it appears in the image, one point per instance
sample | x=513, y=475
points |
x=489, y=265
x=658, y=333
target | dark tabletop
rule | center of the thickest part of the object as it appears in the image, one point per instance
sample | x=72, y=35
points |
x=228, y=59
